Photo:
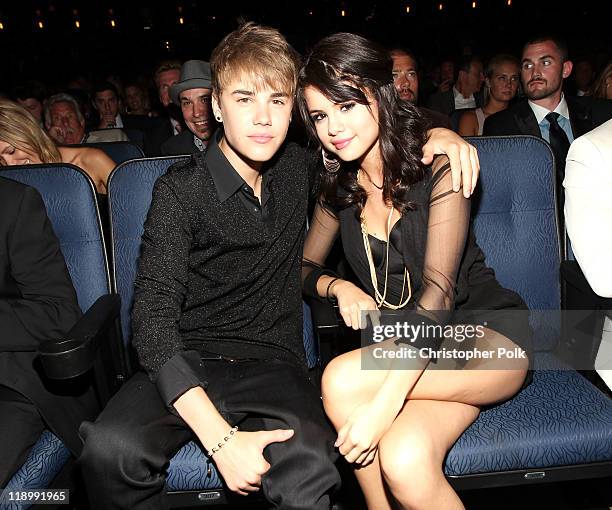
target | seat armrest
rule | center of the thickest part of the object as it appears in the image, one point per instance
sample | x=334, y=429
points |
x=73, y=355
x=324, y=314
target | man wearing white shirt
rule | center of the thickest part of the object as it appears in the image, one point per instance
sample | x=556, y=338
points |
x=588, y=209
x=464, y=94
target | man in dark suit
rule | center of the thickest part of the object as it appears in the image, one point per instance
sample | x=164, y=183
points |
x=192, y=93
x=166, y=74
x=37, y=302
x=108, y=104
x=544, y=67
x=547, y=113
x=465, y=93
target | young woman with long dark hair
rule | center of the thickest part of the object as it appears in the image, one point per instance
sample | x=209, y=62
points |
x=407, y=237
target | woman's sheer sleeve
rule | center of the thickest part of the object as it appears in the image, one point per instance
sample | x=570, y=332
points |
x=449, y=217
x=322, y=233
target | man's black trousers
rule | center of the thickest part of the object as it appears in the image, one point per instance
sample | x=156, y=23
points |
x=128, y=448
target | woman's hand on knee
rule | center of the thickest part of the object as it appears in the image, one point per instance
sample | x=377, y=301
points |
x=359, y=437
x=355, y=305
x=241, y=461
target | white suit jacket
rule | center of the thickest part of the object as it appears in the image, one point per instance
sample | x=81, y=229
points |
x=588, y=205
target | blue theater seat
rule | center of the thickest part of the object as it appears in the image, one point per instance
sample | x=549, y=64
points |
x=560, y=426
x=130, y=187
x=69, y=197
x=119, y=152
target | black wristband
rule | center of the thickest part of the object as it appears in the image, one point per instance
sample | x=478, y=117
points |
x=328, y=287
x=309, y=284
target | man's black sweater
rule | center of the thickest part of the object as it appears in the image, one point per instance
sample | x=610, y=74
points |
x=214, y=276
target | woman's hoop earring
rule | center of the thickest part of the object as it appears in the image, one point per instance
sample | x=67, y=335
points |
x=332, y=165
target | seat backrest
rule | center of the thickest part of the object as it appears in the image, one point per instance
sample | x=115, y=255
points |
x=119, y=152
x=130, y=188
x=70, y=199
x=515, y=212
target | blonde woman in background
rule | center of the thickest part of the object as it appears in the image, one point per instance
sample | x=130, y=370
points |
x=501, y=85
x=602, y=88
x=24, y=142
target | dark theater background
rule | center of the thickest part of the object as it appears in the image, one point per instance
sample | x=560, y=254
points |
x=56, y=40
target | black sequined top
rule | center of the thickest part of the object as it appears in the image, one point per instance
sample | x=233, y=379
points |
x=217, y=276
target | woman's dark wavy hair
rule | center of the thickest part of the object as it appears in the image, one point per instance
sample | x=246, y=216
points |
x=343, y=67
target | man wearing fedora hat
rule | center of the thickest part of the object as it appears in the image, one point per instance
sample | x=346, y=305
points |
x=192, y=93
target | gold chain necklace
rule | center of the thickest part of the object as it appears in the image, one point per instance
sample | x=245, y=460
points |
x=378, y=297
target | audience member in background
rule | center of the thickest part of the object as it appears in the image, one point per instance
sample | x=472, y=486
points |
x=405, y=74
x=583, y=75
x=37, y=303
x=438, y=79
x=502, y=79
x=66, y=125
x=464, y=93
x=109, y=105
x=24, y=142
x=547, y=112
x=602, y=88
x=447, y=75
x=83, y=99
x=544, y=67
x=31, y=95
x=193, y=94
x=166, y=74
x=406, y=81
x=79, y=87
x=588, y=211
x=137, y=100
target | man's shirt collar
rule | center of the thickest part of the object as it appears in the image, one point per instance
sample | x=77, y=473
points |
x=540, y=112
x=227, y=180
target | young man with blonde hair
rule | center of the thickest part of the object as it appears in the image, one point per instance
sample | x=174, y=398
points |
x=217, y=316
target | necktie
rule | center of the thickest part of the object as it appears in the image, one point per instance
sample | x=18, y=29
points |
x=559, y=143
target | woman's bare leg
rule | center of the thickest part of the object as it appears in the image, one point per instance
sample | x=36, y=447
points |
x=411, y=453
x=346, y=386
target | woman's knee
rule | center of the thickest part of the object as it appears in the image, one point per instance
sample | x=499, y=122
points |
x=338, y=379
x=510, y=383
x=409, y=462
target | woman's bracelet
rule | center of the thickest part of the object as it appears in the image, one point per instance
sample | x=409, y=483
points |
x=329, y=287
x=230, y=434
